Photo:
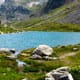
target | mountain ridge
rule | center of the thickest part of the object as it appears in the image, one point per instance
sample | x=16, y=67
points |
x=52, y=4
x=10, y=11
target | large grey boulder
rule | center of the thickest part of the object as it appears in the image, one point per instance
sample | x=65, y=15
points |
x=43, y=50
x=59, y=74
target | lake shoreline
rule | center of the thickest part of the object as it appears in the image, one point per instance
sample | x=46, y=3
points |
x=32, y=39
x=38, y=68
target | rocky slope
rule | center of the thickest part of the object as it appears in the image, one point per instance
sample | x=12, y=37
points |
x=70, y=13
x=10, y=11
x=52, y=4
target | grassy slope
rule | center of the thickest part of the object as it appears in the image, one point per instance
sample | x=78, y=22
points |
x=48, y=22
x=54, y=21
x=51, y=21
x=37, y=69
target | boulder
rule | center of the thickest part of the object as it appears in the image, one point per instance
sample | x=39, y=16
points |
x=59, y=74
x=43, y=50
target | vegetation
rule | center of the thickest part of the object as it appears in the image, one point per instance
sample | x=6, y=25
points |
x=38, y=68
x=52, y=26
x=47, y=22
x=33, y=26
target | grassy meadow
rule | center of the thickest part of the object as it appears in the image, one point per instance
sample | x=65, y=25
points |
x=38, y=68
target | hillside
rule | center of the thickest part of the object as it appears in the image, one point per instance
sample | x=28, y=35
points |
x=9, y=11
x=38, y=68
x=52, y=4
x=70, y=13
x=63, y=18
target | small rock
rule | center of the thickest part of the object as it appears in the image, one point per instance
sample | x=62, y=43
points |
x=25, y=79
x=75, y=49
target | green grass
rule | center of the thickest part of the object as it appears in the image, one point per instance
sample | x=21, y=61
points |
x=38, y=68
x=47, y=22
x=52, y=26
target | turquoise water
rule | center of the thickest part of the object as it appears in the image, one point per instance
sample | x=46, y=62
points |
x=27, y=40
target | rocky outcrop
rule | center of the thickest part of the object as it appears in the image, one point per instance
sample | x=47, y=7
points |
x=43, y=52
x=59, y=74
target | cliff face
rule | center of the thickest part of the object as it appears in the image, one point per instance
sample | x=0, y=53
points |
x=52, y=4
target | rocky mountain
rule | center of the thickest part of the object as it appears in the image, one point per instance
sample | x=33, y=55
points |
x=66, y=11
x=34, y=5
x=9, y=10
x=71, y=14
x=30, y=3
x=52, y=4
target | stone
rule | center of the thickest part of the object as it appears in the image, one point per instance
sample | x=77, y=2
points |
x=35, y=56
x=43, y=50
x=7, y=50
x=20, y=65
x=59, y=74
x=75, y=49
x=25, y=79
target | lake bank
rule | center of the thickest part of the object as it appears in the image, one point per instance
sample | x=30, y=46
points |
x=31, y=39
x=32, y=26
x=38, y=68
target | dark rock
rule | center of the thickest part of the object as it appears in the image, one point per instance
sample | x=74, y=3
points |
x=52, y=4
